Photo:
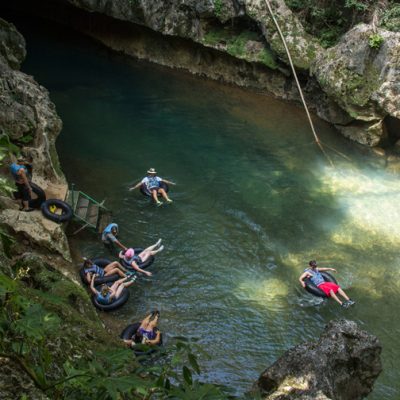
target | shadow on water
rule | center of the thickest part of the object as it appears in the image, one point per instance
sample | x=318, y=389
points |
x=255, y=201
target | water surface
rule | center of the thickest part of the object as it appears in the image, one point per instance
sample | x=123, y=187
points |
x=255, y=201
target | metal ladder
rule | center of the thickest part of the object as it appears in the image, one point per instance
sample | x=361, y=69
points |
x=87, y=211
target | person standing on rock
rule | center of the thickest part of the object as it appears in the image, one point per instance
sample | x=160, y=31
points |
x=152, y=185
x=109, y=238
x=20, y=174
x=329, y=288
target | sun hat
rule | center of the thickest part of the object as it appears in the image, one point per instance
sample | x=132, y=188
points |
x=151, y=171
x=129, y=253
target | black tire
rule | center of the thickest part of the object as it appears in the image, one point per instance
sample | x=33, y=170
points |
x=115, y=304
x=130, y=330
x=40, y=196
x=102, y=263
x=142, y=265
x=66, y=215
x=145, y=192
x=311, y=288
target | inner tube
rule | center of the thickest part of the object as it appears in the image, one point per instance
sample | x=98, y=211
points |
x=40, y=196
x=142, y=349
x=142, y=265
x=66, y=215
x=122, y=299
x=311, y=288
x=102, y=263
x=145, y=191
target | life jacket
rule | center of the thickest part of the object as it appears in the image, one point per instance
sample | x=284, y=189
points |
x=316, y=277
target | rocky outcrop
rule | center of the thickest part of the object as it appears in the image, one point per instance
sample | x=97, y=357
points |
x=342, y=365
x=27, y=114
x=36, y=232
x=364, y=81
x=355, y=89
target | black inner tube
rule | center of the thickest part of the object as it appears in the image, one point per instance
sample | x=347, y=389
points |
x=142, y=349
x=122, y=299
x=142, y=265
x=66, y=215
x=102, y=263
x=145, y=191
x=311, y=288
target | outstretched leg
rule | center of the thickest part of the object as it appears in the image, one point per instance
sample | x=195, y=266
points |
x=155, y=197
x=115, y=271
x=343, y=294
x=112, y=265
x=164, y=195
x=333, y=295
x=151, y=251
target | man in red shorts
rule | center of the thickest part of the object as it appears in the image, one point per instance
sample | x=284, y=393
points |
x=329, y=288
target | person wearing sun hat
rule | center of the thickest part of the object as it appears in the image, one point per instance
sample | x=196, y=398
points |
x=152, y=183
x=329, y=288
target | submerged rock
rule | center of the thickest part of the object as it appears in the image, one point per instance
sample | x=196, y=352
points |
x=343, y=364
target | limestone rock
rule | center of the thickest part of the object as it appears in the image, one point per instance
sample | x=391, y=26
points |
x=342, y=365
x=364, y=81
x=39, y=231
x=12, y=45
x=367, y=133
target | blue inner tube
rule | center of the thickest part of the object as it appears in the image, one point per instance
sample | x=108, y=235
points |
x=66, y=215
x=142, y=349
x=142, y=265
x=102, y=263
x=311, y=288
x=146, y=192
x=122, y=299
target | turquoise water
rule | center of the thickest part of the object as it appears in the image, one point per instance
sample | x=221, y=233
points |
x=255, y=200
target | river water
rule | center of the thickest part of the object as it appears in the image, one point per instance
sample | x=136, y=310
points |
x=255, y=201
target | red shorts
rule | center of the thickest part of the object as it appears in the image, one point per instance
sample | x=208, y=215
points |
x=326, y=287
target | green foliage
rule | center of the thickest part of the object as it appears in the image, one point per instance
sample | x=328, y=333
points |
x=27, y=330
x=329, y=19
x=391, y=18
x=218, y=8
x=375, y=41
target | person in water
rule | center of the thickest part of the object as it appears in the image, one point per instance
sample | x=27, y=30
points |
x=130, y=260
x=20, y=173
x=90, y=269
x=109, y=238
x=108, y=294
x=329, y=288
x=147, y=333
x=152, y=183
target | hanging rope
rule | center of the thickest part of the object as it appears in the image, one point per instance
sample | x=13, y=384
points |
x=297, y=81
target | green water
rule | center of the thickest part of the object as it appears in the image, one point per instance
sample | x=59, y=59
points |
x=255, y=201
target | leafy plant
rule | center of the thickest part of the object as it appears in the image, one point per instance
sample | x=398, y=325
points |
x=375, y=41
x=391, y=18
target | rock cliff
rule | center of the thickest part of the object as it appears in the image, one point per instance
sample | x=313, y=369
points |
x=352, y=85
x=342, y=364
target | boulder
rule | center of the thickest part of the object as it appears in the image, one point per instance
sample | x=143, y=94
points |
x=37, y=231
x=364, y=81
x=342, y=365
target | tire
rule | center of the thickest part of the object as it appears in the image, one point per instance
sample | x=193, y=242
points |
x=311, y=288
x=40, y=196
x=142, y=265
x=102, y=263
x=130, y=330
x=145, y=192
x=66, y=215
x=115, y=304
